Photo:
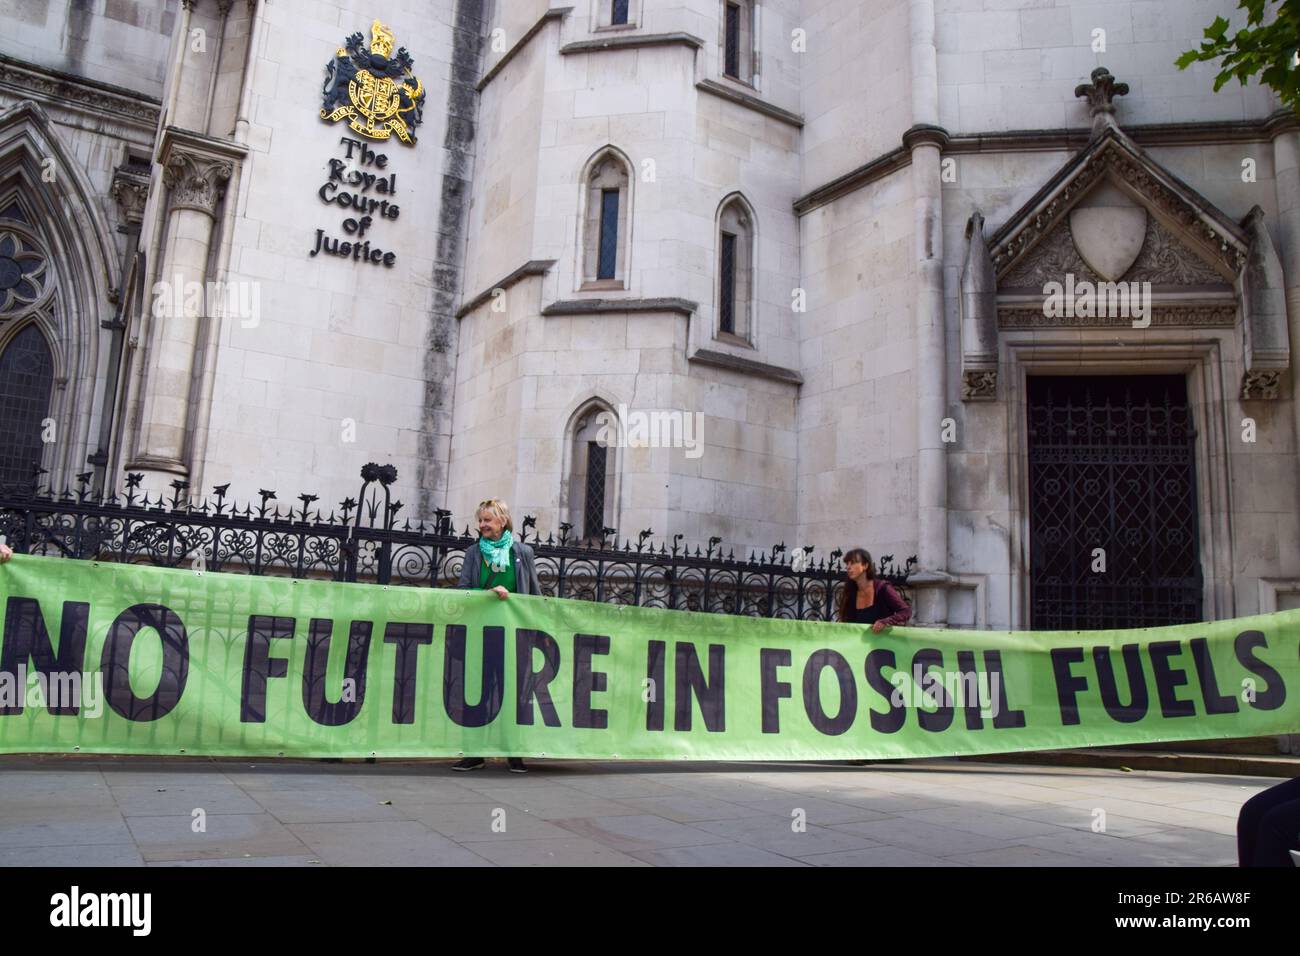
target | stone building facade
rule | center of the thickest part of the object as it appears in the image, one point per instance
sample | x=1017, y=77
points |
x=840, y=260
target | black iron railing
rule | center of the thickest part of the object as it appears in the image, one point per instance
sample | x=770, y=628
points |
x=363, y=541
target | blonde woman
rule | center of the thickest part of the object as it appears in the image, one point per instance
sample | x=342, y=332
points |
x=497, y=563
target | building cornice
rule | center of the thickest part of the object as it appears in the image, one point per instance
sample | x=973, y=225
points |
x=1206, y=133
x=534, y=267
x=597, y=306
x=56, y=88
x=880, y=167
x=633, y=42
x=555, y=13
x=174, y=137
x=725, y=92
x=745, y=366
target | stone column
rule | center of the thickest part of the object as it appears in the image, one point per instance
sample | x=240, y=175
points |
x=925, y=140
x=195, y=182
x=1286, y=165
x=1286, y=169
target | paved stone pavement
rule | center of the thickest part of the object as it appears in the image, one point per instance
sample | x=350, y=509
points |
x=119, y=811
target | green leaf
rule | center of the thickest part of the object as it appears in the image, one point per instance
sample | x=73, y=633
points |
x=1217, y=29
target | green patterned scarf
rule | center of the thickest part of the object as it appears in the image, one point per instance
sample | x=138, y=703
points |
x=497, y=553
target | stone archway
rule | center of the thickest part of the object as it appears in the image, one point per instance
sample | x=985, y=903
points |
x=56, y=221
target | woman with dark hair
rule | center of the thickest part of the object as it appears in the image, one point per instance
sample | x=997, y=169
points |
x=867, y=600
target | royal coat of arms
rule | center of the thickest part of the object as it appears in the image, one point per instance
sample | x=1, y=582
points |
x=374, y=90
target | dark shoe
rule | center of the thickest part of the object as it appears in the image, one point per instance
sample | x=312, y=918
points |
x=469, y=763
x=516, y=765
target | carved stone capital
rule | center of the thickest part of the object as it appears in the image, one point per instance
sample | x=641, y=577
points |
x=196, y=181
x=130, y=191
x=1260, y=385
x=1101, y=93
x=979, y=386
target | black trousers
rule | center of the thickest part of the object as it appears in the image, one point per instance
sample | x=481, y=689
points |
x=1268, y=826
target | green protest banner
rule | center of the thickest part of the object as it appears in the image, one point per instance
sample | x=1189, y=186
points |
x=117, y=658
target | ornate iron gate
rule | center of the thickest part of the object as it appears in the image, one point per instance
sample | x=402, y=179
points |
x=362, y=540
x=1112, y=467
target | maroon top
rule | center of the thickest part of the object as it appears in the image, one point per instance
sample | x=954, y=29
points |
x=887, y=607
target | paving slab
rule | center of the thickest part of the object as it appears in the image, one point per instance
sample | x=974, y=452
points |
x=639, y=832
x=106, y=854
x=781, y=835
x=82, y=810
x=877, y=856
x=183, y=799
x=1022, y=856
x=716, y=854
x=1002, y=826
x=223, y=835
x=571, y=851
x=333, y=805
x=400, y=843
x=926, y=839
x=496, y=822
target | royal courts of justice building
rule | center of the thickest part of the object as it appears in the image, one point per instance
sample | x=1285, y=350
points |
x=991, y=282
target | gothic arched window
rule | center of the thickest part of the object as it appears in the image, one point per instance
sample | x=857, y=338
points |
x=605, y=246
x=737, y=30
x=736, y=269
x=591, y=485
x=26, y=386
x=22, y=269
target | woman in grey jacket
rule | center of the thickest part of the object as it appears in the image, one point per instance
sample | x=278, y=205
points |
x=498, y=563
x=496, y=538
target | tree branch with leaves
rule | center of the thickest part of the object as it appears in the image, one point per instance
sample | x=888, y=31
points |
x=1267, y=50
